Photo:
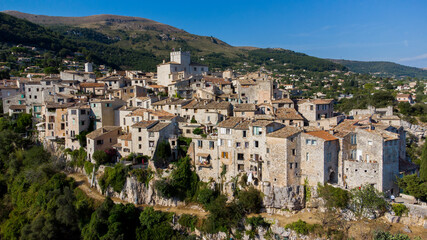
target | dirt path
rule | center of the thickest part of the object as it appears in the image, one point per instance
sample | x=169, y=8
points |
x=358, y=229
x=84, y=185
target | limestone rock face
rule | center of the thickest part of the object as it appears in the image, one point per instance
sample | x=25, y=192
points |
x=283, y=197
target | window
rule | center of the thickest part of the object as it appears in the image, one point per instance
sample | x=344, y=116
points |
x=294, y=152
x=151, y=134
x=314, y=142
x=140, y=146
x=370, y=143
x=244, y=134
x=99, y=142
x=82, y=112
x=353, y=139
x=296, y=165
x=108, y=104
x=211, y=145
x=311, y=107
x=151, y=144
x=290, y=165
x=307, y=156
x=199, y=143
x=257, y=131
x=268, y=150
x=224, y=154
x=229, y=143
x=228, y=131
x=139, y=138
x=238, y=144
x=308, y=141
x=73, y=112
x=188, y=131
x=256, y=144
x=83, y=123
x=139, y=129
x=246, y=144
x=353, y=154
x=240, y=156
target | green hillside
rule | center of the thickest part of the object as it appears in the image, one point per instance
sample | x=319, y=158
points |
x=383, y=69
x=138, y=43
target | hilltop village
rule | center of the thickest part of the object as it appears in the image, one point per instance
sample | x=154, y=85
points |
x=237, y=127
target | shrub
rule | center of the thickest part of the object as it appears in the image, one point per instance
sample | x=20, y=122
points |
x=100, y=157
x=193, y=120
x=88, y=168
x=198, y=131
x=114, y=177
x=382, y=235
x=301, y=227
x=256, y=222
x=399, y=209
x=188, y=221
x=334, y=197
x=250, y=200
x=143, y=175
x=367, y=200
x=206, y=196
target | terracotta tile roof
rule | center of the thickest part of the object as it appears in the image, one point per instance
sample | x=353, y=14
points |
x=323, y=135
x=156, y=86
x=145, y=124
x=288, y=114
x=245, y=107
x=101, y=131
x=194, y=104
x=403, y=95
x=261, y=123
x=316, y=101
x=126, y=137
x=159, y=126
x=243, y=125
x=247, y=82
x=58, y=105
x=284, y=132
x=283, y=100
x=91, y=85
x=219, y=81
x=17, y=107
x=230, y=122
x=169, y=101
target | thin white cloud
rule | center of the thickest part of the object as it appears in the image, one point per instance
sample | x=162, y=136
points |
x=409, y=59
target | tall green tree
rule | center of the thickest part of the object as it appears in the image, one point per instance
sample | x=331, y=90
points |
x=423, y=163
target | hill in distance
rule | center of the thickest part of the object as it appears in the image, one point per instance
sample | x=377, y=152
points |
x=383, y=69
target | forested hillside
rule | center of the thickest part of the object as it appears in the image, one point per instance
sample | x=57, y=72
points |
x=137, y=43
x=384, y=69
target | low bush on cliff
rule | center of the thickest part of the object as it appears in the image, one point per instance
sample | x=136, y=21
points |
x=399, y=209
x=182, y=183
x=114, y=177
x=334, y=197
x=301, y=227
x=143, y=175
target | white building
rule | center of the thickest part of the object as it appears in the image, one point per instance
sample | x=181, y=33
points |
x=179, y=67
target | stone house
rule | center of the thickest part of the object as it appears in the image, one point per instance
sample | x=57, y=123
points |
x=146, y=135
x=289, y=117
x=319, y=157
x=102, y=139
x=98, y=89
x=78, y=120
x=316, y=109
x=104, y=111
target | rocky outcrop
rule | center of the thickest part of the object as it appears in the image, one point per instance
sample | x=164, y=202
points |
x=283, y=197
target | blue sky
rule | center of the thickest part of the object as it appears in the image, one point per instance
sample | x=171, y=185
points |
x=358, y=30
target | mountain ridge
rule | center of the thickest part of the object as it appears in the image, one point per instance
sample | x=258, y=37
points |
x=382, y=68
